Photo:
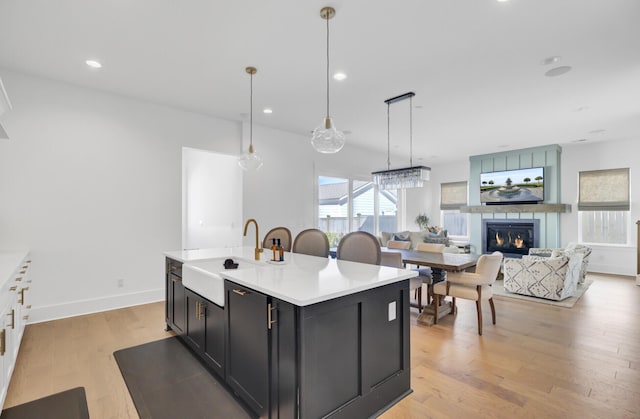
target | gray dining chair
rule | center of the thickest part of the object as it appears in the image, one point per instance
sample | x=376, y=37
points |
x=359, y=246
x=312, y=242
x=282, y=233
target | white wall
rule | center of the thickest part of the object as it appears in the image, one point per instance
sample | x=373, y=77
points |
x=91, y=183
x=283, y=191
x=593, y=156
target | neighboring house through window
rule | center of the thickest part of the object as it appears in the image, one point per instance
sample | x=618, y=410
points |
x=346, y=205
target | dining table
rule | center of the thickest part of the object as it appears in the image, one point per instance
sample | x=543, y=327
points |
x=439, y=264
x=450, y=262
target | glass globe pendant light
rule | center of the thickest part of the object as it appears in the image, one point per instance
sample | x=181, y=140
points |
x=250, y=160
x=326, y=138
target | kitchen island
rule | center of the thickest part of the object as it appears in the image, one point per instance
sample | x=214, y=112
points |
x=307, y=338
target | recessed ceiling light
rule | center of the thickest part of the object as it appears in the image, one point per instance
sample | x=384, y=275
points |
x=581, y=140
x=558, y=71
x=339, y=76
x=502, y=1
x=550, y=60
x=267, y=110
x=93, y=64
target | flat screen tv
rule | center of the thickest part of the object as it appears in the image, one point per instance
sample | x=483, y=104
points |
x=520, y=186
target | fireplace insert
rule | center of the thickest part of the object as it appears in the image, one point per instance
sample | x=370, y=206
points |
x=511, y=237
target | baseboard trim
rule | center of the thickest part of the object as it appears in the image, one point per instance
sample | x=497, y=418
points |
x=611, y=269
x=94, y=305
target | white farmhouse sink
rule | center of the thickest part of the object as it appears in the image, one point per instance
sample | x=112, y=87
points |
x=203, y=277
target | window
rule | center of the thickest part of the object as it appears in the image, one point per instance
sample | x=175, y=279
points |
x=604, y=227
x=362, y=217
x=346, y=205
x=333, y=207
x=387, y=210
x=603, y=206
x=453, y=195
x=455, y=223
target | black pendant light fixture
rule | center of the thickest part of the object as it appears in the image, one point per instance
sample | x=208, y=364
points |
x=408, y=177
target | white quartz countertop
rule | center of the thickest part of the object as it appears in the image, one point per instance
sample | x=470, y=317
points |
x=301, y=280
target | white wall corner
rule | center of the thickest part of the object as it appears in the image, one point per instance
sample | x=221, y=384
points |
x=95, y=305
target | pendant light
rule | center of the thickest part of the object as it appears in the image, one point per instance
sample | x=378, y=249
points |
x=326, y=138
x=5, y=105
x=408, y=177
x=250, y=160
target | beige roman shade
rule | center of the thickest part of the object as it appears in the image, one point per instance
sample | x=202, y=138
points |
x=453, y=195
x=603, y=190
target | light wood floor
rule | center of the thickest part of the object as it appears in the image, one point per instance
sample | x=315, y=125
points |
x=538, y=361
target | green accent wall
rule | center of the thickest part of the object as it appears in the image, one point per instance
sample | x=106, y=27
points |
x=547, y=157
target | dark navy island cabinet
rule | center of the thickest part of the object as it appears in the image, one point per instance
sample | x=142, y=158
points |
x=347, y=357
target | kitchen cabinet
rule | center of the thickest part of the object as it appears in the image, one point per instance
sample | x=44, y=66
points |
x=205, y=330
x=311, y=338
x=248, y=314
x=175, y=309
x=342, y=358
x=15, y=289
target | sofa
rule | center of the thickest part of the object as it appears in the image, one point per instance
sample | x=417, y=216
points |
x=434, y=236
x=571, y=249
x=554, y=278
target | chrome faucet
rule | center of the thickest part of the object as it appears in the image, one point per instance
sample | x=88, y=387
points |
x=258, y=250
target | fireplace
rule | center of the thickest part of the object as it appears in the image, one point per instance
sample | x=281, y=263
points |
x=514, y=237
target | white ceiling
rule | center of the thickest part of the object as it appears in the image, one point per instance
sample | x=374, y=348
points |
x=475, y=65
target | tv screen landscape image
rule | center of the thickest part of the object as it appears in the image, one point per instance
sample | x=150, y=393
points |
x=512, y=186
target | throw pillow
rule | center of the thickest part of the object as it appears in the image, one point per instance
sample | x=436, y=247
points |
x=434, y=238
x=438, y=231
x=571, y=246
x=416, y=237
x=401, y=236
x=384, y=238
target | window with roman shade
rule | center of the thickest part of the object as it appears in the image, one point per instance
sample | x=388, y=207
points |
x=603, y=190
x=603, y=206
x=453, y=195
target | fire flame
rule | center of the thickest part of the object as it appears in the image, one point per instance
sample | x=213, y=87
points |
x=499, y=239
x=519, y=242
